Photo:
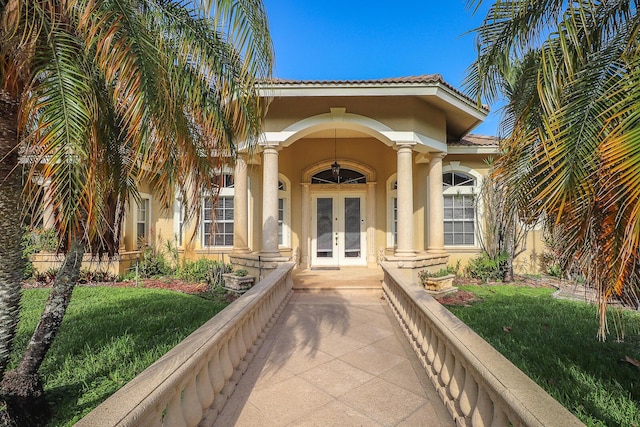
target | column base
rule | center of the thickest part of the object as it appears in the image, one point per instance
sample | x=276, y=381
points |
x=436, y=251
x=404, y=254
x=269, y=255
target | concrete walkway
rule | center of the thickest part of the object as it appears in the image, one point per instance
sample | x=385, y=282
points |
x=335, y=358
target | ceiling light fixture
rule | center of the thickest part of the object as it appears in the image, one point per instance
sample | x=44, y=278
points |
x=335, y=167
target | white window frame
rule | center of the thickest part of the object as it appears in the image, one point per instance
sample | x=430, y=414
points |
x=392, y=210
x=465, y=190
x=224, y=192
x=144, y=197
x=178, y=220
x=285, y=196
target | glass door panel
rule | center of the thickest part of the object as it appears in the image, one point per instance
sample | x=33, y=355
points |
x=338, y=230
x=324, y=228
x=352, y=231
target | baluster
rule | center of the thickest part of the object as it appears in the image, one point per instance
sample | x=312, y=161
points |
x=251, y=336
x=446, y=373
x=253, y=327
x=270, y=311
x=191, y=409
x=262, y=321
x=438, y=361
x=246, y=331
x=431, y=352
x=500, y=418
x=217, y=375
x=255, y=324
x=234, y=347
x=152, y=418
x=405, y=314
x=413, y=334
x=205, y=390
x=483, y=412
x=426, y=342
x=469, y=395
x=420, y=338
x=457, y=381
x=241, y=348
x=227, y=369
x=173, y=416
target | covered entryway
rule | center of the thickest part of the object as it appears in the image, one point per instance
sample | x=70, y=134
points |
x=338, y=229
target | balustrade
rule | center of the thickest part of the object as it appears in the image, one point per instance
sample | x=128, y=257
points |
x=191, y=383
x=478, y=385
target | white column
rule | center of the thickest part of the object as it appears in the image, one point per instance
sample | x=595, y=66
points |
x=371, y=223
x=436, y=208
x=270, y=201
x=405, y=200
x=48, y=219
x=306, y=225
x=240, y=207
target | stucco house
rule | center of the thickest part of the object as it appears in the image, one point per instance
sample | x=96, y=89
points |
x=345, y=173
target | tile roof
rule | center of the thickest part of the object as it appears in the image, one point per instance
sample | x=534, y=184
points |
x=406, y=80
x=473, y=140
x=425, y=78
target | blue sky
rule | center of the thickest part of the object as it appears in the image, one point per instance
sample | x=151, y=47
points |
x=346, y=40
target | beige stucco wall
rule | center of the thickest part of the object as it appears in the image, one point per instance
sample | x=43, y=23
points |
x=400, y=114
x=303, y=154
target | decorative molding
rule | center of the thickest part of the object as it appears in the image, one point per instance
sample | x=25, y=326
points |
x=337, y=113
x=363, y=168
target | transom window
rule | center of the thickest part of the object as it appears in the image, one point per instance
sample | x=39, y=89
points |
x=457, y=179
x=459, y=191
x=347, y=176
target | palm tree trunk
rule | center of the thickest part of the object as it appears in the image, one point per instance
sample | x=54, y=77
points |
x=53, y=312
x=11, y=262
x=24, y=385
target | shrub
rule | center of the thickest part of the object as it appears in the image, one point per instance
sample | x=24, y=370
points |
x=487, y=268
x=153, y=263
x=425, y=274
x=202, y=270
x=242, y=272
x=550, y=264
x=34, y=241
x=87, y=276
x=47, y=277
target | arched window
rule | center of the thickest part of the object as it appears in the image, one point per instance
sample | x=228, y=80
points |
x=459, y=192
x=347, y=176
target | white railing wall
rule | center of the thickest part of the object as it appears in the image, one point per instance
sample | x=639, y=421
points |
x=478, y=385
x=190, y=384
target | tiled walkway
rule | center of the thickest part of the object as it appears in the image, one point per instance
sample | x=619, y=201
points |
x=335, y=359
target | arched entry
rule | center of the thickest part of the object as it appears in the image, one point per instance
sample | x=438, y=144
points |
x=339, y=206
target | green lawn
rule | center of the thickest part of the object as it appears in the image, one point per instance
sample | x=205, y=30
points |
x=108, y=336
x=555, y=343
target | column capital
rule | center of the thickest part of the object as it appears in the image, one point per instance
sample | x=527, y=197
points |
x=435, y=156
x=404, y=145
x=270, y=145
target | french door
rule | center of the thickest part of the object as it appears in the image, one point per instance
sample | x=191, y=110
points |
x=338, y=230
